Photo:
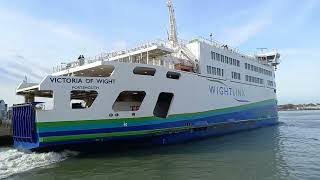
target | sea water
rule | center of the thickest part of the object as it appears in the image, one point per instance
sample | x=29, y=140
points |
x=288, y=151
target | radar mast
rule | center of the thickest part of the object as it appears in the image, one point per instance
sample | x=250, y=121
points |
x=173, y=38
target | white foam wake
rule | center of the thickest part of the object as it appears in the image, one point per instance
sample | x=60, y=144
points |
x=13, y=161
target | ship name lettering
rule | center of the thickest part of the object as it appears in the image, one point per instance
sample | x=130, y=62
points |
x=226, y=91
x=65, y=80
x=106, y=81
x=69, y=80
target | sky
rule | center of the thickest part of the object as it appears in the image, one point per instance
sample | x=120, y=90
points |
x=36, y=35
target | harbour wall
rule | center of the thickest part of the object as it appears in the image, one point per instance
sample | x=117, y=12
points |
x=5, y=135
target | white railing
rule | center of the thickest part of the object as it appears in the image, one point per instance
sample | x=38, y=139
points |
x=225, y=47
x=228, y=48
x=110, y=56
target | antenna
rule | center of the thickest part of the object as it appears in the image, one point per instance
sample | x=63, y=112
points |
x=25, y=79
x=262, y=49
x=173, y=38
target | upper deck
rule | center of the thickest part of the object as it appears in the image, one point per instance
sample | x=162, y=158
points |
x=146, y=53
x=162, y=53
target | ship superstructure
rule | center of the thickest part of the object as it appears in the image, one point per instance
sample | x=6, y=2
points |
x=166, y=91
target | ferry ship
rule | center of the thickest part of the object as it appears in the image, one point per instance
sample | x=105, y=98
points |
x=164, y=91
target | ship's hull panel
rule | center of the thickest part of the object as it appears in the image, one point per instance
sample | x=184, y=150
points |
x=174, y=129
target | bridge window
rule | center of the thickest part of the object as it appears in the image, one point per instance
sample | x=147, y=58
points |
x=82, y=99
x=144, y=71
x=129, y=101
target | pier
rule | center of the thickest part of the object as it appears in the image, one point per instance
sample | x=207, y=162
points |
x=5, y=136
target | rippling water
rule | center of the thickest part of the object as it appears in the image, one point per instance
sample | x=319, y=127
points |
x=289, y=151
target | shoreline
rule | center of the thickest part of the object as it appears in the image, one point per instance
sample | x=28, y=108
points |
x=299, y=110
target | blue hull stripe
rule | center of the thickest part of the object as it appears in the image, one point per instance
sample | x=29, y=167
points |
x=178, y=137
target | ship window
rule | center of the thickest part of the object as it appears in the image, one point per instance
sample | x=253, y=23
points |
x=129, y=101
x=82, y=99
x=163, y=105
x=209, y=69
x=214, y=70
x=218, y=71
x=173, y=75
x=144, y=71
x=213, y=55
x=45, y=99
x=236, y=75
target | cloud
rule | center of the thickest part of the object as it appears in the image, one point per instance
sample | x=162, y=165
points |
x=41, y=40
x=241, y=34
x=267, y=15
x=31, y=46
x=253, y=21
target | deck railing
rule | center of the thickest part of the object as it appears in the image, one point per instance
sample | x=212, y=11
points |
x=228, y=48
x=110, y=56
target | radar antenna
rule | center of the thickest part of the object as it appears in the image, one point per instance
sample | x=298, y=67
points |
x=173, y=38
x=262, y=49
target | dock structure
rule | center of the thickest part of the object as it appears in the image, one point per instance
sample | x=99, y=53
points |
x=5, y=136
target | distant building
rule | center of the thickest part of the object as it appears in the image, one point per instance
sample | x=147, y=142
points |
x=9, y=115
x=3, y=110
x=298, y=107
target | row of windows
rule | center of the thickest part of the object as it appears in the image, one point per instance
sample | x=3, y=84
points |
x=270, y=83
x=146, y=71
x=254, y=79
x=225, y=59
x=236, y=75
x=215, y=71
x=257, y=69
